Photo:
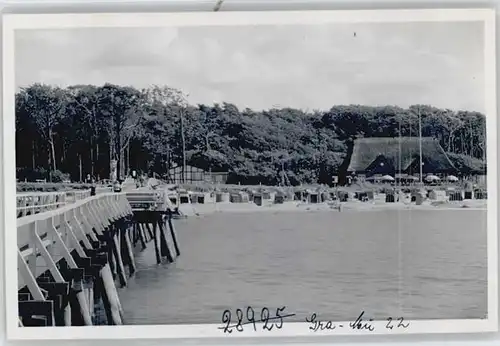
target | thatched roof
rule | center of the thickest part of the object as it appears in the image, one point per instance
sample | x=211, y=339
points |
x=400, y=153
x=468, y=164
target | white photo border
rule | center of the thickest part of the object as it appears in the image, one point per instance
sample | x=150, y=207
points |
x=59, y=21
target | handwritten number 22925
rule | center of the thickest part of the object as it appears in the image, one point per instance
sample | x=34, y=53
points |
x=249, y=318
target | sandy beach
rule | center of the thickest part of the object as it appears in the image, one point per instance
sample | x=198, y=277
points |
x=350, y=206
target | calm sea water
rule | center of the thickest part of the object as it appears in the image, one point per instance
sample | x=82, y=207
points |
x=415, y=264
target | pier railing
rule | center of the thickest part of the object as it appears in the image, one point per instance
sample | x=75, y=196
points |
x=70, y=257
x=69, y=228
x=56, y=256
x=29, y=203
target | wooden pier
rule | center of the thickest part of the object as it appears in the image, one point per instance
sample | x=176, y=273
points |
x=75, y=249
x=29, y=203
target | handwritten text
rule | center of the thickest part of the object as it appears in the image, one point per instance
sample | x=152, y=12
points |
x=361, y=323
x=249, y=317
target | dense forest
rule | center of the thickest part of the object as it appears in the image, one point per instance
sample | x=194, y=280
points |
x=70, y=132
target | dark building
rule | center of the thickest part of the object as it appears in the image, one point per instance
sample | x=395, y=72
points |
x=193, y=175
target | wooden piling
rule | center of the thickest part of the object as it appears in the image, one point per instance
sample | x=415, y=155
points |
x=110, y=297
x=84, y=308
x=134, y=235
x=67, y=314
x=85, y=291
x=80, y=308
x=150, y=231
x=109, y=244
x=65, y=304
x=102, y=295
x=80, y=315
x=157, y=242
x=173, y=233
x=90, y=299
x=165, y=250
x=119, y=262
x=142, y=235
x=127, y=246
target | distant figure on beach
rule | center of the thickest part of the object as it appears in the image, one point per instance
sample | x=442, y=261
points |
x=117, y=186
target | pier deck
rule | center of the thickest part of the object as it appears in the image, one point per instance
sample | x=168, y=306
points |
x=74, y=249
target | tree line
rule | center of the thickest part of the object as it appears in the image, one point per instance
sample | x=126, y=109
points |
x=67, y=133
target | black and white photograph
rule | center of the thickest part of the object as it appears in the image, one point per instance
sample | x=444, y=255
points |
x=300, y=173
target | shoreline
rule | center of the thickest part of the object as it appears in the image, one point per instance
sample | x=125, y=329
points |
x=351, y=206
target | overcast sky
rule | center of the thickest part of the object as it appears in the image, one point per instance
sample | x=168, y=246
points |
x=308, y=67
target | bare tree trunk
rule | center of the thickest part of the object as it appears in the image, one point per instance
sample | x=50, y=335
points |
x=111, y=157
x=183, y=140
x=168, y=163
x=450, y=141
x=123, y=164
x=118, y=163
x=207, y=142
x=462, y=144
x=483, y=147
x=33, y=154
x=49, y=161
x=118, y=151
x=97, y=154
x=52, y=150
x=49, y=156
x=471, y=140
x=128, y=157
x=94, y=145
x=81, y=168
x=91, y=157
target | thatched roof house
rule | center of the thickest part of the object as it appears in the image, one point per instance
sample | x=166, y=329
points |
x=381, y=155
x=468, y=164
